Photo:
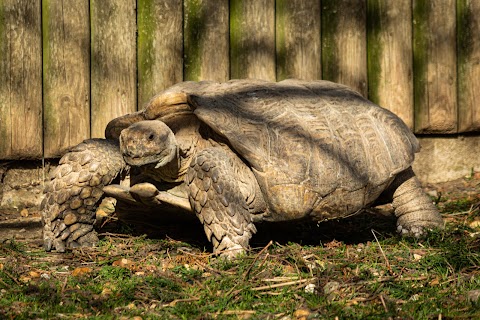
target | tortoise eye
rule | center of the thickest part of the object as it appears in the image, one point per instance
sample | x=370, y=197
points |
x=151, y=137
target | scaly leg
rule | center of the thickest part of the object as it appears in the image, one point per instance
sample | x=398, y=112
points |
x=414, y=210
x=221, y=192
x=75, y=187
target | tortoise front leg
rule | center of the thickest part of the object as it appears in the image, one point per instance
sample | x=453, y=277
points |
x=414, y=210
x=219, y=188
x=147, y=194
x=75, y=187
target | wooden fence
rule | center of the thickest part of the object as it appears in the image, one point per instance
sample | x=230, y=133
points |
x=69, y=66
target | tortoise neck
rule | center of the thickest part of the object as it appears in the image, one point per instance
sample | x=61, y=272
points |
x=171, y=171
x=167, y=173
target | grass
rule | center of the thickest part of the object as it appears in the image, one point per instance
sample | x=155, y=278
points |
x=133, y=277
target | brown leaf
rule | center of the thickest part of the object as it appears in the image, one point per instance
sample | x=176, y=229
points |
x=124, y=263
x=435, y=282
x=301, y=314
x=80, y=271
x=34, y=274
x=475, y=224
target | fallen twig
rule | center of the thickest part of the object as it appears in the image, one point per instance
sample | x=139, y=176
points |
x=247, y=273
x=12, y=277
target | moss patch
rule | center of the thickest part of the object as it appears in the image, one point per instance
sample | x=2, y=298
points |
x=329, y=48
x=420, y=58
x=374, y=47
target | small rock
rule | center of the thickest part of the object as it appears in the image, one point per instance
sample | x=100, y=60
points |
x=331, y=287
x=474, y=297
x=310, y=288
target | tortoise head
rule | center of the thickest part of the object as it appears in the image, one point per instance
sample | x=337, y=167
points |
x=148, y=142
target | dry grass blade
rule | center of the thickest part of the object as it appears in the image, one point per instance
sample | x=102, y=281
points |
x=174, y=302
x=247, y=273
x=383, y=303
x=240, y=314
x=387, y=263
x=281, y=279
x=285, y=284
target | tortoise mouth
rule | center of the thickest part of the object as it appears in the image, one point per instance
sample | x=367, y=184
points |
x=159, y=159
x=138, y=161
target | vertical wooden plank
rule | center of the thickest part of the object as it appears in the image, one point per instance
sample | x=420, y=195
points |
x=113, y=74
x=390, y=66
x=20, y=80
x=344, y=43
x=66, y=74
x=468, y=50
x=206, y=40
x=298, y=39
x=160, y=46
x=252, y=39
x=435, y=74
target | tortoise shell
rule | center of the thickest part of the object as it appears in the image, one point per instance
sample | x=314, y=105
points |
x=317, y=142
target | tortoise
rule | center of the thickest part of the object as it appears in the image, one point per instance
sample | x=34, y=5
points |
x=239, y=153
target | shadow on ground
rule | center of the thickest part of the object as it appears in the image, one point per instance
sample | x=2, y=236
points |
x=352, y=230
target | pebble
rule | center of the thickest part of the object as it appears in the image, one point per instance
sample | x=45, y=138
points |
x=310, y=288
x=474, y=297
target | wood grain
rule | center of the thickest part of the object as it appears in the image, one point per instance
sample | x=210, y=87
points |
x=390, y=65
x=468, y=45
x=434, y=51
x=160, y=46
x=20, y=80
x=298, y=39
x=344, y=43
x=113, y=72
x=252, y=39
x=66, y=75
x=206, y=40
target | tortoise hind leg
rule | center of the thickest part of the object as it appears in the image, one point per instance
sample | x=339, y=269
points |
x=414, y=210
x=220, y=187
x=74, y=189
